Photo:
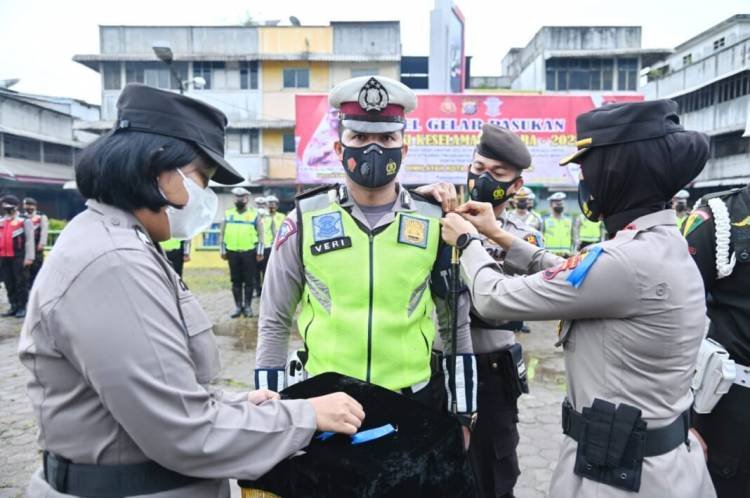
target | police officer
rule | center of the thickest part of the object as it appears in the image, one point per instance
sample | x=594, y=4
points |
x=16, y=255
x=121, y=353
x=524, y=209
x=557, y=227
x=41, y=232
x=680, y=205
x=272, y=221
x=495, y=177
x=364, y=261
x=718, y=234
x=177, y=252
x=242, y=247
x=632, y=307
x=586, y=232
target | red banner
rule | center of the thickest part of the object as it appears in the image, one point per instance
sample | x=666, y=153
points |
x=444, y=129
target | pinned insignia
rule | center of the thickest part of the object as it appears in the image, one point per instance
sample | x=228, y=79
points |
x=391, y=167
x=413, y=231
x=498, y=193
x=288, y=228
x=373, y=96
x=693, y=221
x=742, y=224
x=327, y=226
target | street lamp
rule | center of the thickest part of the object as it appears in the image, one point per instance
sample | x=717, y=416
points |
x=163, y=51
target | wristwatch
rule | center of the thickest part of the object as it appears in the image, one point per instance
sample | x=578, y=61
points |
x=463, y=240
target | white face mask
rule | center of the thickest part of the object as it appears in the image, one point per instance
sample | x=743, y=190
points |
x=196, y=215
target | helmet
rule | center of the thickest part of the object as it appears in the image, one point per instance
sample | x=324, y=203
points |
x=260, y=201
x=524, y=193
x=682, y=194
x=557, y=196
x=272, y=198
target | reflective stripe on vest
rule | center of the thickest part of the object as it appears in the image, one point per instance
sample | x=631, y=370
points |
x=367, y=306
x=557, y=234
x=240, y=233
x=590, y=231
x=171, y=245
x=269, y=230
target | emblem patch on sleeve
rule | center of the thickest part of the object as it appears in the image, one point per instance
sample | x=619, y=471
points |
x=288, y=228
x=413, y=231
x=327, y=226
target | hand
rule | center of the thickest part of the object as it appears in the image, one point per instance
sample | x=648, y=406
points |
x=703, y=444
x=444, y=193
x=261, y=396
x=338, y=412
x=39, y=248
x=186, y=258
x=453, y=226
x=259, y=257
x=27, y=262
x=224, y=256
x=467, y=437
x=481, y=215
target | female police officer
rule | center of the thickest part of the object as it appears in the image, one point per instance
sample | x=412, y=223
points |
x=631, y=307
x=121, y=352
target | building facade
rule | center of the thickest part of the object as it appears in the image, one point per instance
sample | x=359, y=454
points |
x=252, y=73
x=709, y=77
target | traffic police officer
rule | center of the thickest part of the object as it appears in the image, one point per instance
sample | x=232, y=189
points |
x=272, y=221
x=629, y=348
x=495, y=177
x=242, y=247
x=364, y=261
x=680, y=205
x=41, y=232
x=557, y=227
x=17, y=254
x=524, y=209
x=177, y=252
x=586, y=232
x=121, y=353
x=718, y=234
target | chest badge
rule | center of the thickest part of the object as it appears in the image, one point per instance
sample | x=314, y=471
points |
x=413, y=231
x=327, y=226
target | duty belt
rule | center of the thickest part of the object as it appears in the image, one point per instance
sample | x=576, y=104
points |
x=658, y=441
x=110, y=481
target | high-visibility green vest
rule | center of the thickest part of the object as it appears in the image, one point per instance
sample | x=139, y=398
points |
x=171, y=244
x=240, y=232
x=271, y=225
x=367, y=306
x=558, y=237
x=590, y=231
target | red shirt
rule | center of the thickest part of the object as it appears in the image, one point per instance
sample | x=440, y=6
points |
x=11, y=237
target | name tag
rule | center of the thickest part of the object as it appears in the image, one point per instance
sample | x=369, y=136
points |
x=330, y=245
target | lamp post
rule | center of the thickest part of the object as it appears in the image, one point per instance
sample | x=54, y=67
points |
x=164, y=52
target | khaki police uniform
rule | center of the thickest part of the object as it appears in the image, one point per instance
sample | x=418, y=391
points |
x=121, y=355
x=632, y=342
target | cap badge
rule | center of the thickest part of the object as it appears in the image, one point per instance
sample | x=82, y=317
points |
x=373, y=96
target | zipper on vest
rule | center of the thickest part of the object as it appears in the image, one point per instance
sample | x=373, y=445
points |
x=369, y=316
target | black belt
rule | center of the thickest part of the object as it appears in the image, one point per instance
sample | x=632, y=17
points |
x=476, y=321
x=110, y=481
x=658, y=441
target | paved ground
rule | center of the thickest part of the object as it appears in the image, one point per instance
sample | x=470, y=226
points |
x=539, y=417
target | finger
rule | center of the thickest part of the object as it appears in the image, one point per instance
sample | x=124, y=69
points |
x=348, y=429
x=357, y=411
x=352, y=420
x=437, y=195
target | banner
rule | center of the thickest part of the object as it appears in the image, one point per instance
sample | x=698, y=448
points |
x=444, y=129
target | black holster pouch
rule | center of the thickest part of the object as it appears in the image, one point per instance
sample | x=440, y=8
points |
x=612, y=445
x=517, y=370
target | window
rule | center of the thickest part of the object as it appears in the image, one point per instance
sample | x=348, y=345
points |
x=297, y=78
x=205, y=69
x=249, y=75
x=157, y=77
x=111, y=75
x=627, y=74
x=719, y=43
x=156, y=74
x=289, y=143
x=249, y=142
x=722, y=91
x=365, y=71
x=579, y=74
x=22, y=148
x=58, y=154
x=687, y=59
x=729, y=144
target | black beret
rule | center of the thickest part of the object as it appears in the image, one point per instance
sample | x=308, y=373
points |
x=150, y=110
x=503, y=145
x=622, y=123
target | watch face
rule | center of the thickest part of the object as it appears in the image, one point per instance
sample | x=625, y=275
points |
x=462, y=240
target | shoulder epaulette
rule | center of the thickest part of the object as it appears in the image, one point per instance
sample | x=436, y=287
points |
x=314, y=191
x=724, y=193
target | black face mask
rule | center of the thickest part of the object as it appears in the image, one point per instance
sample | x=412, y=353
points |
x=558, y=209
x=240, y=205
x=680, y=206
x=589, y=207
x=29, y=211
x=484, y=188
x=372, y=166
x=8, y=209
x=522, y=204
